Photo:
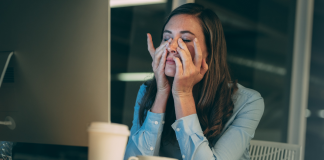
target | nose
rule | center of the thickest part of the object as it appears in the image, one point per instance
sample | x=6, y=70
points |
x=173, y=46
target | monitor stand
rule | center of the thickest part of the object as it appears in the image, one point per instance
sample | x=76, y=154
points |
x=4, y=61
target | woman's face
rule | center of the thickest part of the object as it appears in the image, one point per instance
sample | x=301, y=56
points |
x=186, y=27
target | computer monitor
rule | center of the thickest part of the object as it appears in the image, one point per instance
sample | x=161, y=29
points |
x=59, y=71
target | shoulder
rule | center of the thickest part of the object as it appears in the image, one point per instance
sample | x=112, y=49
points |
x=248, y=105
x=246, y=97
x=249, y=93
x=139, y=97
x=141, y=92
x=142, y=88
x=247, y=112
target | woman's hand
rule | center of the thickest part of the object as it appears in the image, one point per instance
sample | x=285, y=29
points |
x=188, y=72
x=159, y=57
x=163, y=86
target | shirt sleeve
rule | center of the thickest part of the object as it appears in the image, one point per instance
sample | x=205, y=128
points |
x=145, y=139
x=231, y=145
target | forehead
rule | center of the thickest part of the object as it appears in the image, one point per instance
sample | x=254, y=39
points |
x=184, y=22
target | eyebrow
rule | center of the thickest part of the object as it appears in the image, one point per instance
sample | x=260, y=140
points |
x=182, y=32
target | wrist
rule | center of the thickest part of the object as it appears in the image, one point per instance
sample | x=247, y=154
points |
x=184, y=105
x=162, y=94
x=163, y=91
x=182, y=95
x=160, y=102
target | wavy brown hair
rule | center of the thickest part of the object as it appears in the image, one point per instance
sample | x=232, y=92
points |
x=213, y=93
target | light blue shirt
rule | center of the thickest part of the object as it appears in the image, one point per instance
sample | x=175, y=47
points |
x=231, y=144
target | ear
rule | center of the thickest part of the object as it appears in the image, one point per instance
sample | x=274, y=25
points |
x=204, y=67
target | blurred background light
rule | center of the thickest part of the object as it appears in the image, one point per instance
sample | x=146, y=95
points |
x=257, y=65
x=141, y=76
x=308, y=113
x=321, y=113
x=127, y=3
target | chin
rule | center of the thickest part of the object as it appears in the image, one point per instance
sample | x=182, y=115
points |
x=170, y=72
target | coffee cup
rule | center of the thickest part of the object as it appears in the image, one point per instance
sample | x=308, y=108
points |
x=150, y=158
x=107, y=141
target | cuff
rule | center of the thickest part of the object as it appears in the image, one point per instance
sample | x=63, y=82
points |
x=154, y=122
x=187, y=126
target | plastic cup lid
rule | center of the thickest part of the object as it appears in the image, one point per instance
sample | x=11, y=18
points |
x=112, y=128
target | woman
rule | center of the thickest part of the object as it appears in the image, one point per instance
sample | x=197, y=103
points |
x=191, y=109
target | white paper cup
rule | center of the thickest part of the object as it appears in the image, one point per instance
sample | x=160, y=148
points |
x=107, y=141
x=150, y=158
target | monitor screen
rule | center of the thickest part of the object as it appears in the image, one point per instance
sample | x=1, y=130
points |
x=59, y=70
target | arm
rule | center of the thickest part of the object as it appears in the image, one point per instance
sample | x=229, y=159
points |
x=145, y=139
x=233, y=142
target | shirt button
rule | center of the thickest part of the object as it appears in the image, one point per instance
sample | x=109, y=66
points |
x=178, y=129
x=151, y=148
x=183, y=156
x=163, y=122
x=156, y=122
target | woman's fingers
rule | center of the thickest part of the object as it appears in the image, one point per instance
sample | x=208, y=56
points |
x=150, y=46
x=158, y=53
x=162, y=61
x=198, y=54
x=183, y=46
x=179, y=68
x=157, y=57
x=185, y=59
x=163, y=45
x=184, y=54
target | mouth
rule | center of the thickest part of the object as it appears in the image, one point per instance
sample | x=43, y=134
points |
x=170, y=60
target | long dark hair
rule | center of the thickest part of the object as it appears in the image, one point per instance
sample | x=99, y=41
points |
x=213, y=93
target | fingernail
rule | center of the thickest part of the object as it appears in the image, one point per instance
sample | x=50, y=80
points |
x=170, y=40
x=196, y=39
x=147, y=35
